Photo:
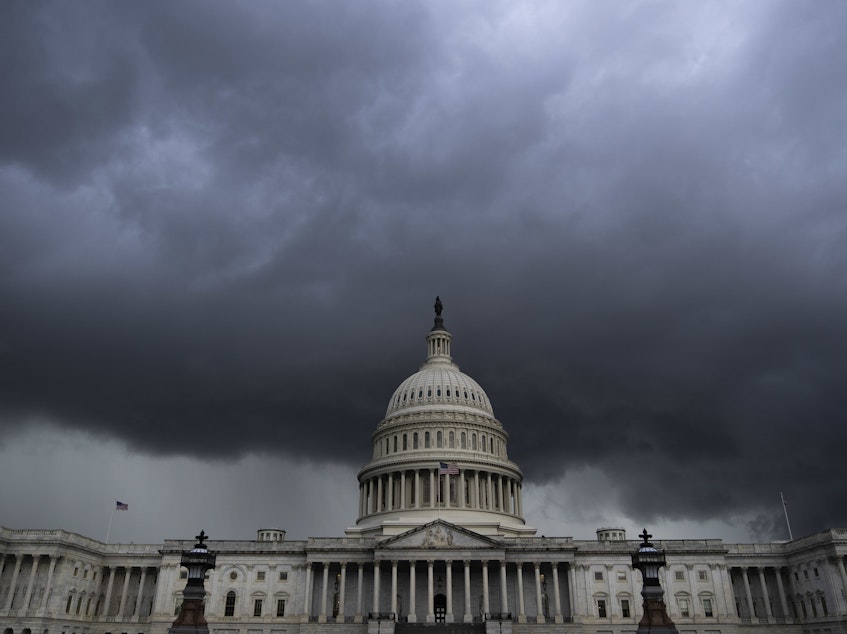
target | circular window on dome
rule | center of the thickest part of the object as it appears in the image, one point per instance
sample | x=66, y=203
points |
x=233, y=575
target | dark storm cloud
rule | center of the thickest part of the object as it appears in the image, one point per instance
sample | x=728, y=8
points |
x=233, y=219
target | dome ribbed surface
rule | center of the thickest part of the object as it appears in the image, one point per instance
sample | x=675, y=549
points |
x=439, y=385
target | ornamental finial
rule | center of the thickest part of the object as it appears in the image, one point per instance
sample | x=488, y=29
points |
x=200, y=539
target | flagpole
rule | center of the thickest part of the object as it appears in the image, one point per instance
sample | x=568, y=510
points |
x=111, y=517
x=785, y=510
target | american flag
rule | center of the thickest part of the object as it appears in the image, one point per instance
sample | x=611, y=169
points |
x=448, y=468
x=120, y=506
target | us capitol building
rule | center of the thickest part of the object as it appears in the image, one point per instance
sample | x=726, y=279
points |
x=440, y=545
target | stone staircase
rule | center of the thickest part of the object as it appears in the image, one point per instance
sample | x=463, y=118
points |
x=439, y=628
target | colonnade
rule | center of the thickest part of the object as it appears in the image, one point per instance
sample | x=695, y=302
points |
x=426, y=488
x=434, y=590
x=72, y=593
x=33, y=600
x=796, y=598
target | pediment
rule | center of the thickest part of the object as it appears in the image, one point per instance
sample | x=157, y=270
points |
x=439, y=535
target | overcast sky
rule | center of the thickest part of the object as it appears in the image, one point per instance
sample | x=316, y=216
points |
x=223, y=226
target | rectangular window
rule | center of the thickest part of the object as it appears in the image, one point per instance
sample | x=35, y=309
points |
x=823, y=606
x=280, y=607
x=283, y=576
x=684, y=611
x=703, y=575
x=260, y=575
x=257, y=607
x=183, y=574
x=598, y=575
x=679, y=575
x=229, y=606
x=707, y=607
x=625, y=608
x=816, y=573
x=601, y=608
x=621, y=575
x=806, y=574
x=85, y=573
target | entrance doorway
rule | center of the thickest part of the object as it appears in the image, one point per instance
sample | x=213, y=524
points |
x=440, y=605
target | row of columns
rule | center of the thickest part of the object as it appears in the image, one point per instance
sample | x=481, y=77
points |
x=840, y=597
x=487, y=491
x=429, y=617
x=25, y=605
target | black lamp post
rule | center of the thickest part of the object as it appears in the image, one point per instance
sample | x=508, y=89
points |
x=647, y=559
x=198, y=560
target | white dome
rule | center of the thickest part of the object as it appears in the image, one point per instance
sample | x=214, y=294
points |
x=438, y=384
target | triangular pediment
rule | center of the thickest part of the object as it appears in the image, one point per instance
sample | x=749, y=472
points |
x=440, y=535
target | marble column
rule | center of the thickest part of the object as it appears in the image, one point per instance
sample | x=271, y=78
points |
x=324, y=588
x=124, y=592
x=307, y=596
x=430, y=596
x=449, y=575
x=137, y=609
x=402, y=489
x=15, y=572
x=477, y=503
x=749, y=594
x=843, y=573
x=342, y=593
x=539, y=618
x=109, y=587
x=521, y=608
x=359, y=590
x=49, y=583
x=468, y=618
x=781, y=589
x=557, y=615
x=462, y=499
x=412, y=594
x=432, y=495
x=28, y=593
x=486, y=604
x=380, y=506
x=376, y=587
x=394, y=586
x=390, y=501
x=765, y=593
x=504, y=595
x=572, y=591
x=726, y=583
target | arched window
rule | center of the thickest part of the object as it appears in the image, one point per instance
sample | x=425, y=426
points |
x=426, y=440
x=482, y=442
x=439, y=439
x=452, y=439
x=415, y=440
x=229, y=606
x=473, y=442
x=464, y=439
x=405, y=442
x=395, y=444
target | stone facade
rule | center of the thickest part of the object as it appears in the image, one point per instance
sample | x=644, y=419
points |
x=440, y=543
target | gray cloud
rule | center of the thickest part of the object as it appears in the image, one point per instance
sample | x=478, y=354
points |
x=234, y=217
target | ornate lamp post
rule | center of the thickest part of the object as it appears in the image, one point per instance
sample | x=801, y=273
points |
x=648, y=560
x=198, y=560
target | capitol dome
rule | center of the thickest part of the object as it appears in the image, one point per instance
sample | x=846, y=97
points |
x=439, y=452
